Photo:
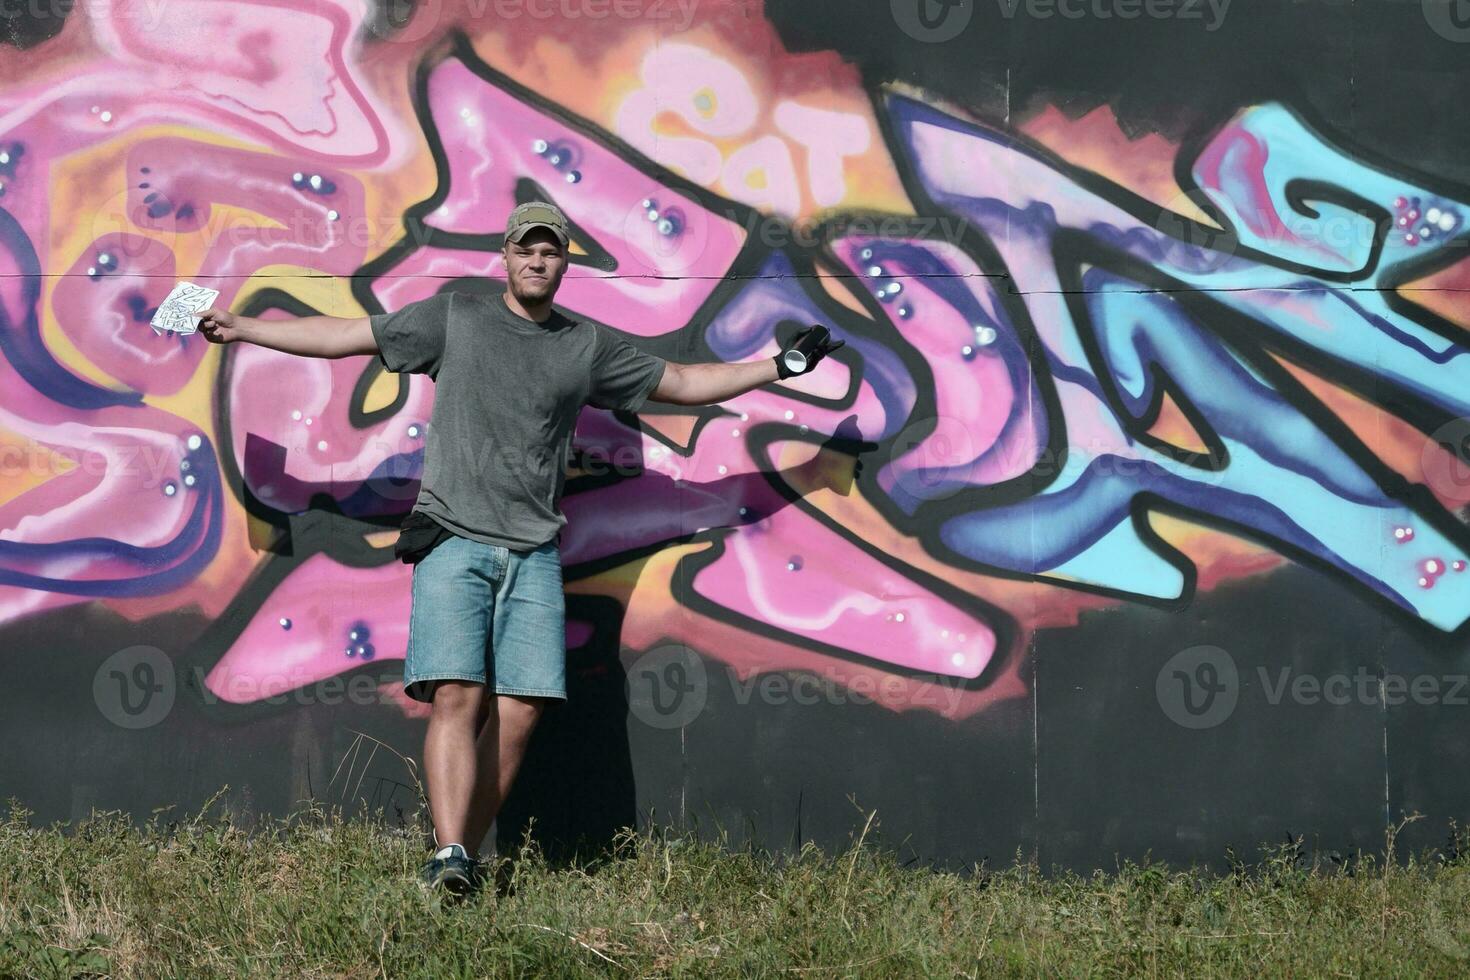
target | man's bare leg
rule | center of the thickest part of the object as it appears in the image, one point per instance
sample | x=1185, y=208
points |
x=450, y=760
x=502, y=746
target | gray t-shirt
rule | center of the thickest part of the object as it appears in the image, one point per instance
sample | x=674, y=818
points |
x=507, y=395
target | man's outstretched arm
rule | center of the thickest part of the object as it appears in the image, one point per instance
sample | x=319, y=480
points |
x=308, y=336
x=706, y=384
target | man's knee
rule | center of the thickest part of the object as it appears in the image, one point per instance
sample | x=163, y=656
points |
x=520, y=712
x=522, y=705
x=458, y=698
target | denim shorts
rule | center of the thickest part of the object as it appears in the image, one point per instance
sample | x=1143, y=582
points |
x=485, y=613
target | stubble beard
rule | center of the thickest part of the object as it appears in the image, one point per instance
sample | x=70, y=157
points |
x=533, y=294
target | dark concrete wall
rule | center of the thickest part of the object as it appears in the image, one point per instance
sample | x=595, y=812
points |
x=1129, y=521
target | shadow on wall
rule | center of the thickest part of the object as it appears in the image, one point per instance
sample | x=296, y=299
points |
x=575, y=790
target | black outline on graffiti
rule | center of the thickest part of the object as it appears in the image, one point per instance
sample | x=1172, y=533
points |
x=325, y=529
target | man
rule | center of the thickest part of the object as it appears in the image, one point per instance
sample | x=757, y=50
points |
x=512, y=373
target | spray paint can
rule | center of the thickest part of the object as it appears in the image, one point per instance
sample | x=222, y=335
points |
x=799, y=355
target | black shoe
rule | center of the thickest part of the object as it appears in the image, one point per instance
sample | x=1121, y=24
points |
x=452, y=871
x=500, y=873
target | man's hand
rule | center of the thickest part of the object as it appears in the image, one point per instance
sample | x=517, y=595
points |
x=805, y=350
x=219, y=326
x=708, y=384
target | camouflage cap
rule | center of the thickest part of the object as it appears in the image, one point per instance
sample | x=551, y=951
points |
x=536, y=214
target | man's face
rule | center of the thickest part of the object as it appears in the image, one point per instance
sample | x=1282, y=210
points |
x=534, y=266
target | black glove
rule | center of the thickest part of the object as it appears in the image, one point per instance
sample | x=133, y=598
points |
x=805, y=350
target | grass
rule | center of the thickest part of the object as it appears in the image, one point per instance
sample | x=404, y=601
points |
x=317, y=896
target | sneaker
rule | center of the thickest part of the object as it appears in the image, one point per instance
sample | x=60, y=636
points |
x=452, y=870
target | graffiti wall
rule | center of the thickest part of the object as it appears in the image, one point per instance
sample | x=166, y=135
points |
x=1130, y=519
